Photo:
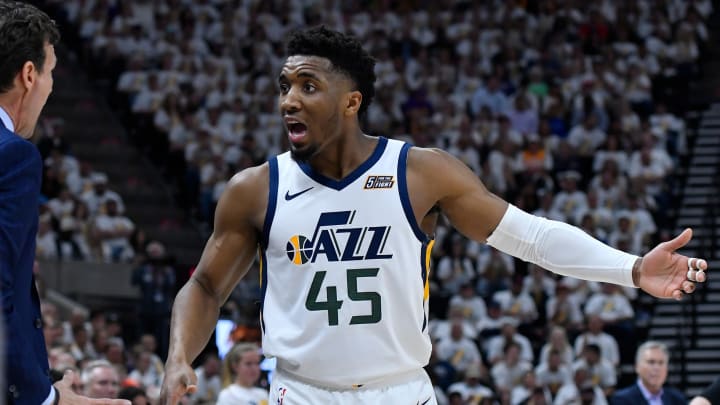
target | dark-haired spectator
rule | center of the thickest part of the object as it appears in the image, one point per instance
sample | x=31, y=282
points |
x=135, y=395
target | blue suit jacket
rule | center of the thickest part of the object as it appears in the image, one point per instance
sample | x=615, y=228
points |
x=26, y=360
x=633, y=396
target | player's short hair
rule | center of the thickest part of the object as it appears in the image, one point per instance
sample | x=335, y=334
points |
x=344, y=51
x=24, y=30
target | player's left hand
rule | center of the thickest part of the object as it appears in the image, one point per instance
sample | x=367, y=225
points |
x=667, y=274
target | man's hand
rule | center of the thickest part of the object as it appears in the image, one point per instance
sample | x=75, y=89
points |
x=68, y=397
x=180, y=379
x=664, y=273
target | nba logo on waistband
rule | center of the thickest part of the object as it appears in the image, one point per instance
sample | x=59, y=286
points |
x=281, y=395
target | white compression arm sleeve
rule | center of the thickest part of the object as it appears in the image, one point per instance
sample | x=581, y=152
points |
x=561, y=248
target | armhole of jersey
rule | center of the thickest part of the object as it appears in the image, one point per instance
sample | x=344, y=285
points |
x=272, y=202
x=405, y=197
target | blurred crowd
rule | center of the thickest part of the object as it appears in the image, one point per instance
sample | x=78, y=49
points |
x=81, y=218
x=571, y=110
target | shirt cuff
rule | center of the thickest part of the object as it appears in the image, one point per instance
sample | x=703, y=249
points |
x=50, y=400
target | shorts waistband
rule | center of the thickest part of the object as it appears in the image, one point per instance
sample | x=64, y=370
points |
x=382, y=382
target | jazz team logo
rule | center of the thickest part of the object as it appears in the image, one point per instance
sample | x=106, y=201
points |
x=338, y=241
x=375, y=182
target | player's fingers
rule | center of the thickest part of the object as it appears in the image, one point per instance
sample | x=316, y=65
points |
x=700, y=276
x=677, y=295
x=679, y=241
x=191, y=388
x=688, y=286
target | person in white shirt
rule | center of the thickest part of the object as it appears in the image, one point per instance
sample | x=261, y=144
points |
x=516, y=303
x=509, y=373
x=497, y=344
x=558, y=341
x=145, y=373
x=580, y=391
x=209, y=383
x=610, y=304
x=553, y=374
x=458, y=350
x=113, y=231
x=472, y=306
x=471, y=388
x=562, y=309
x=241, y=366
x=595, y=335
x=601, y=371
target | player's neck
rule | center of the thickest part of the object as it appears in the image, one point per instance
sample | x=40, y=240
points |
x=343, y=156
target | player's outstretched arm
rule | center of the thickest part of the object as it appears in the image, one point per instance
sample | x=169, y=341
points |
x=435, y=177
x=227, y=256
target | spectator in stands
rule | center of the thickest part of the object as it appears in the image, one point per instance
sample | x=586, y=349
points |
x=496, y=345
x=651, y=365
x=595, y=335
x=146, y=373
x=600, y=371
x=570, y=201
x=136, y=395
x=99, y=195
x=563, y=310
x=530, y=392
x=156, y=280
x=113, y=230
x=495, y=270
x=457, y=268
x=209, y=380
x=517, y=304
x=440, y=329
x=611, y=305
x=558, y=341
x=458, y=350
x=100, y=380
x=241, y=372
x=553, y=373
x=510, y=370
x=471, y=388
x=581, y=390
x=473, y=307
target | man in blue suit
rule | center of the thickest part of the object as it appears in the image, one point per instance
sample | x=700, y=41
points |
x=651, y=366
x=27, y=58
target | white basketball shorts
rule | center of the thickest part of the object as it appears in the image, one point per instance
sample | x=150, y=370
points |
x=286, y=389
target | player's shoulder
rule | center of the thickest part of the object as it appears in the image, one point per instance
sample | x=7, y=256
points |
x=429, y=159
x=249, y=182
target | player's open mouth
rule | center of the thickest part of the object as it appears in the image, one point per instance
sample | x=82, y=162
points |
x=297, y=131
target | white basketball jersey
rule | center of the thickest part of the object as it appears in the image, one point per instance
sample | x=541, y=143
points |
x=344, y=272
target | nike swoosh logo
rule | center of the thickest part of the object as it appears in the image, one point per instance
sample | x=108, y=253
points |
x=425, y=401
x=289, y=196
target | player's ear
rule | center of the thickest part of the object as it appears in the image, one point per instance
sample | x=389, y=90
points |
x=354, y=101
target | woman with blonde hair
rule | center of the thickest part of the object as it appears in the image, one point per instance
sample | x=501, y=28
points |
x=241, y=371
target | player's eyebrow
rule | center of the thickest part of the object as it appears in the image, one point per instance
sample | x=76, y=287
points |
x=301, y=74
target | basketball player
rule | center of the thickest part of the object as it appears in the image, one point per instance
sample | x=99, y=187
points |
x=342, y=226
